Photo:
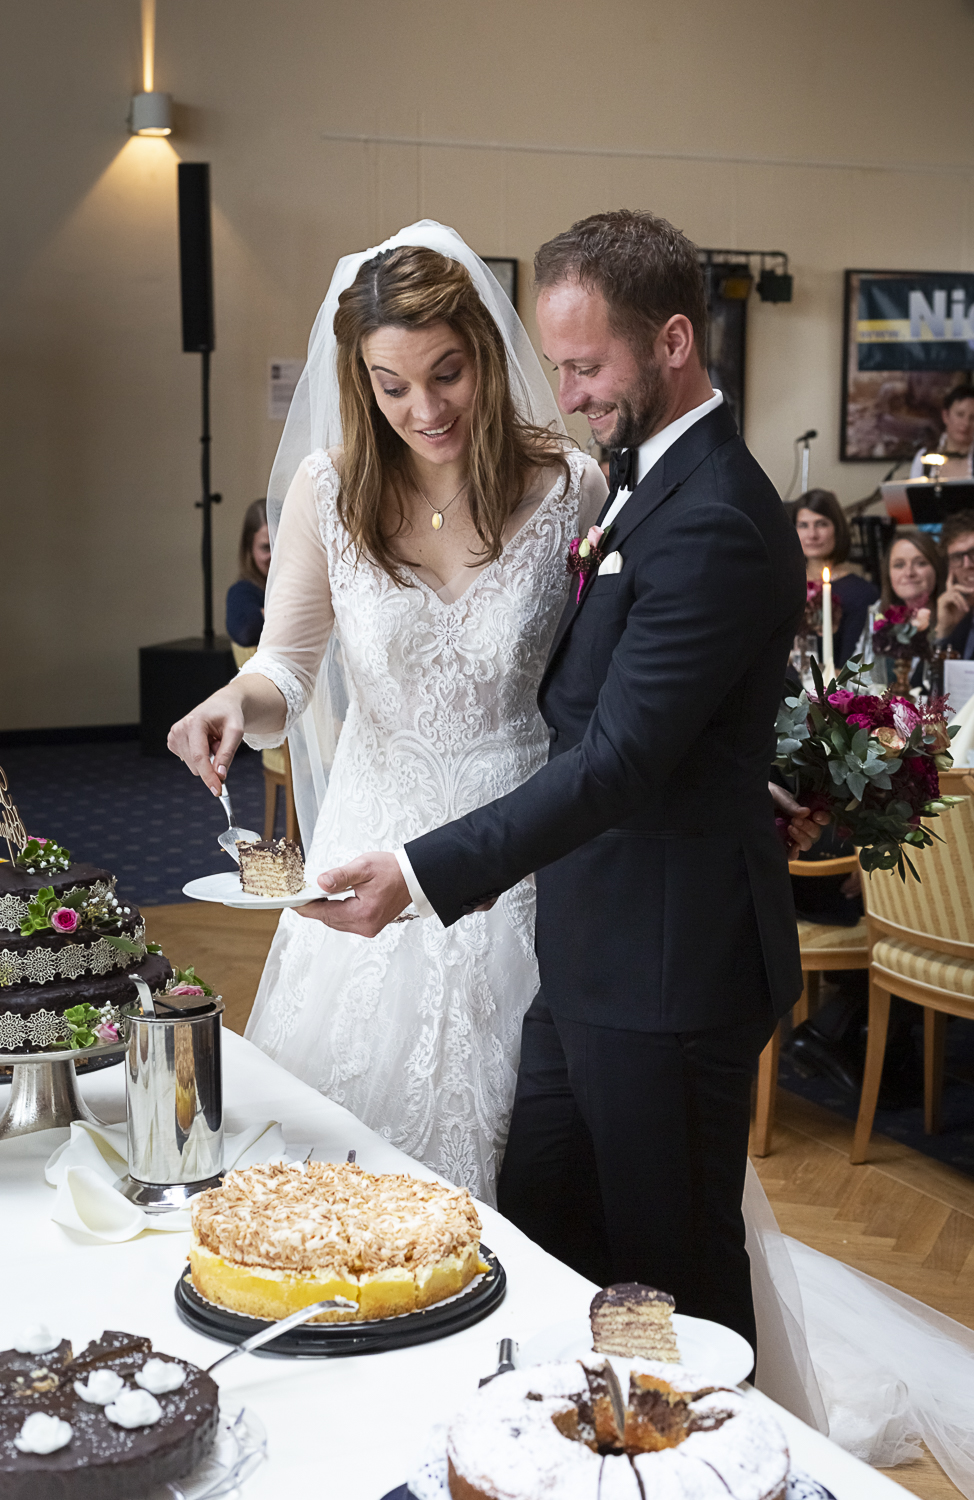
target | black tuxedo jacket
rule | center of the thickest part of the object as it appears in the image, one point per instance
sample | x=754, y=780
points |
x=663, y=895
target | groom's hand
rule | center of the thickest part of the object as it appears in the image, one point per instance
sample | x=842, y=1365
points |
x=380, y=895
x=804, y=826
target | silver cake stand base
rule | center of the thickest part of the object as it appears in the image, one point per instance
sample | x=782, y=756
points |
x=44, y=1089
x=159, y=1198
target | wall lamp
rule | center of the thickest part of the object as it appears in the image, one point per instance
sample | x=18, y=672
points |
x=150, y=112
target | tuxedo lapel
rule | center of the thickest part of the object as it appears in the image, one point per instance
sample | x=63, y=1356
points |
x=662, y=481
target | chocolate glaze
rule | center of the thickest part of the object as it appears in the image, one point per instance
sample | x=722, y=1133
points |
x=16, y=882
x=625, y=1293
x=113, y=988
x=103, y=1461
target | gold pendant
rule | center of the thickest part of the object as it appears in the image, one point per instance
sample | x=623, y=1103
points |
x=437, y=521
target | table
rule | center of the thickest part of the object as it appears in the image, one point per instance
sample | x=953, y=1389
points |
x=338, y=1429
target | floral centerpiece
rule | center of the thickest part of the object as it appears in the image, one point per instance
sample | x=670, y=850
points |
x=902, y=632
x=871, y=762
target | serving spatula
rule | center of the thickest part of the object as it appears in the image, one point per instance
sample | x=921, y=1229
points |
x=266, y=1335
x=228, y=840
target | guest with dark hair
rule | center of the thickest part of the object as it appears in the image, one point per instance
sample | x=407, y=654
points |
x=245, y=598
x=957, y=439
x=824, y=534
x=955, y=607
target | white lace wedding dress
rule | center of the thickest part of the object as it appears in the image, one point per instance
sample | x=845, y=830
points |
x=417, y=1031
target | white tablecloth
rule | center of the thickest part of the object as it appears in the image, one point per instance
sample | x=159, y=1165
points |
x=338, y=1429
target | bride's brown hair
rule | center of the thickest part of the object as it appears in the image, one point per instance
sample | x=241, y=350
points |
x=410, y=288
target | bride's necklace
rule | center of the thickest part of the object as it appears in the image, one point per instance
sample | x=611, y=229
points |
x=437, y=520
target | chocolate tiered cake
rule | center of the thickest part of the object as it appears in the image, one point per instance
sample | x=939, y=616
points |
x=69, y=950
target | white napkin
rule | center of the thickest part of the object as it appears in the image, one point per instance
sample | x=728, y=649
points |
x=86, y=1168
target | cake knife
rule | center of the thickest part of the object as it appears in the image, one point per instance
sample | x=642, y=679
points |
x=281, y=1326
x=228, y=840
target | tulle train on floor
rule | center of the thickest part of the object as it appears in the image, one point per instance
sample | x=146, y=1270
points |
x=876, y=1370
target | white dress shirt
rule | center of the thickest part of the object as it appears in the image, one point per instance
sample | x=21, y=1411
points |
x=649, y=454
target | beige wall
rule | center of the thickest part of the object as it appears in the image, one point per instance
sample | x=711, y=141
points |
x=837, y=130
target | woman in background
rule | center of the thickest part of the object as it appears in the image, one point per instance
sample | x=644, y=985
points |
x=912, y=573
x=245, y=598
x=824, y=534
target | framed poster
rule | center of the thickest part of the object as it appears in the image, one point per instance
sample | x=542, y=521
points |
x=908, y=340
x=505, y=269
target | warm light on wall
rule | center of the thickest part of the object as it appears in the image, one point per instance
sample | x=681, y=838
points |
x=150, y=112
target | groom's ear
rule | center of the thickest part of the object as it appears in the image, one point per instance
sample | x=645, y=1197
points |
x=675, y=343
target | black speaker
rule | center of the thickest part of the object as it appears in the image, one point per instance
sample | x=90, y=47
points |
x=196, y=257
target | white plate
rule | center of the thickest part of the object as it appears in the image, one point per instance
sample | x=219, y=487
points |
x=706, y=1348
x=226, y=889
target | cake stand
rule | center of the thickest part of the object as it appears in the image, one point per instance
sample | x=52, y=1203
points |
x=44, y=1089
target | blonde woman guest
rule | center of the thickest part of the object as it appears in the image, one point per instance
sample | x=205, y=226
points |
x=245, y=598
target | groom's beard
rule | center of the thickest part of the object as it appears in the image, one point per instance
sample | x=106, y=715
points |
x=641, y=409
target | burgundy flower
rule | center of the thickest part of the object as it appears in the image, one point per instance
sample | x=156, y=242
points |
x=895, y=614
x=63, y=919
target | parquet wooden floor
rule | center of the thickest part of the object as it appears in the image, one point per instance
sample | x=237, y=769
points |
x=903, y=1218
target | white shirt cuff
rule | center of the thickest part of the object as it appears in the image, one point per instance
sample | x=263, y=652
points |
x=420, y=900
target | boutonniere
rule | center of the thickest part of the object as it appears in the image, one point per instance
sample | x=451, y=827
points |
x=584, y=555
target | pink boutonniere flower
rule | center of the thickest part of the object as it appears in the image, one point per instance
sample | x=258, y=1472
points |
x=584, y=555
x=63, y=919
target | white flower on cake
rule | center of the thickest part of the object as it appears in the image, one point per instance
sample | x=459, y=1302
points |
x=36, y=1338
x=103, y=1386
x=43, y=1434
x=134, y=1409
x=160, y=1376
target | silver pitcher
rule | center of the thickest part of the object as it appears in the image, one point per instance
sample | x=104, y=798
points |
x=174, y=1100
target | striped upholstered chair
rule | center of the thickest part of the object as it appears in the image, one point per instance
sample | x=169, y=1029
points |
x=277, y=770
x=922, y=948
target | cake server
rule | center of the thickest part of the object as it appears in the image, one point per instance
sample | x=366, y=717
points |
x=281, y=1326
x=506, y=1352
x=228, y=840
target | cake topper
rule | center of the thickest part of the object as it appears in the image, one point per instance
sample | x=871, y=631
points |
x=11, y=824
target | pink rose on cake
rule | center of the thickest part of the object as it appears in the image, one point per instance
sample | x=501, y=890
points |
x=63, y=919
x=186, y=989
x=106, y=1032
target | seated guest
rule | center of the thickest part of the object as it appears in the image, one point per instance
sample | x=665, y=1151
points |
x=824, y=534
x=957, y=439
x=912, y=573
x=245, y=598
x=955, y=607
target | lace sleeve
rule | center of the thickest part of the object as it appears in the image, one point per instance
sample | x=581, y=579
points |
x=593, y=492
x=299, y=617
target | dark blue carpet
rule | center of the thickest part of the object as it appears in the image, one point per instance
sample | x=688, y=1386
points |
x=146, y=819
x=954, y=1146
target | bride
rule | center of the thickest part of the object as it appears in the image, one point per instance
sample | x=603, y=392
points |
x=418, y=575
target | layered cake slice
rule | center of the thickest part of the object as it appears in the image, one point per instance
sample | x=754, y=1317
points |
x=271, y=867
x=635, y=1321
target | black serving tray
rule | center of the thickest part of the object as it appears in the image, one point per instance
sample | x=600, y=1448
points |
x=326, y=1340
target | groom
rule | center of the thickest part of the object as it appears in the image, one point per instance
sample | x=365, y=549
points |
x=665, y=927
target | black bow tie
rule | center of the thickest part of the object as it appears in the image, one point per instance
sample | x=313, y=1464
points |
x=622, y=469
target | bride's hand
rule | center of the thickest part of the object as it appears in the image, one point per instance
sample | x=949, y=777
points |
x=380, y=895
x=208, y=738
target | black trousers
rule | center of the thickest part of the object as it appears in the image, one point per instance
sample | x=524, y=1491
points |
x=627, y=1153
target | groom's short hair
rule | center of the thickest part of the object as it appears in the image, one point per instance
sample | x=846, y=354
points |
x=645, y=269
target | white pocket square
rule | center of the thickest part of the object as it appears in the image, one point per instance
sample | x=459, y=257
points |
x=611, y=564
